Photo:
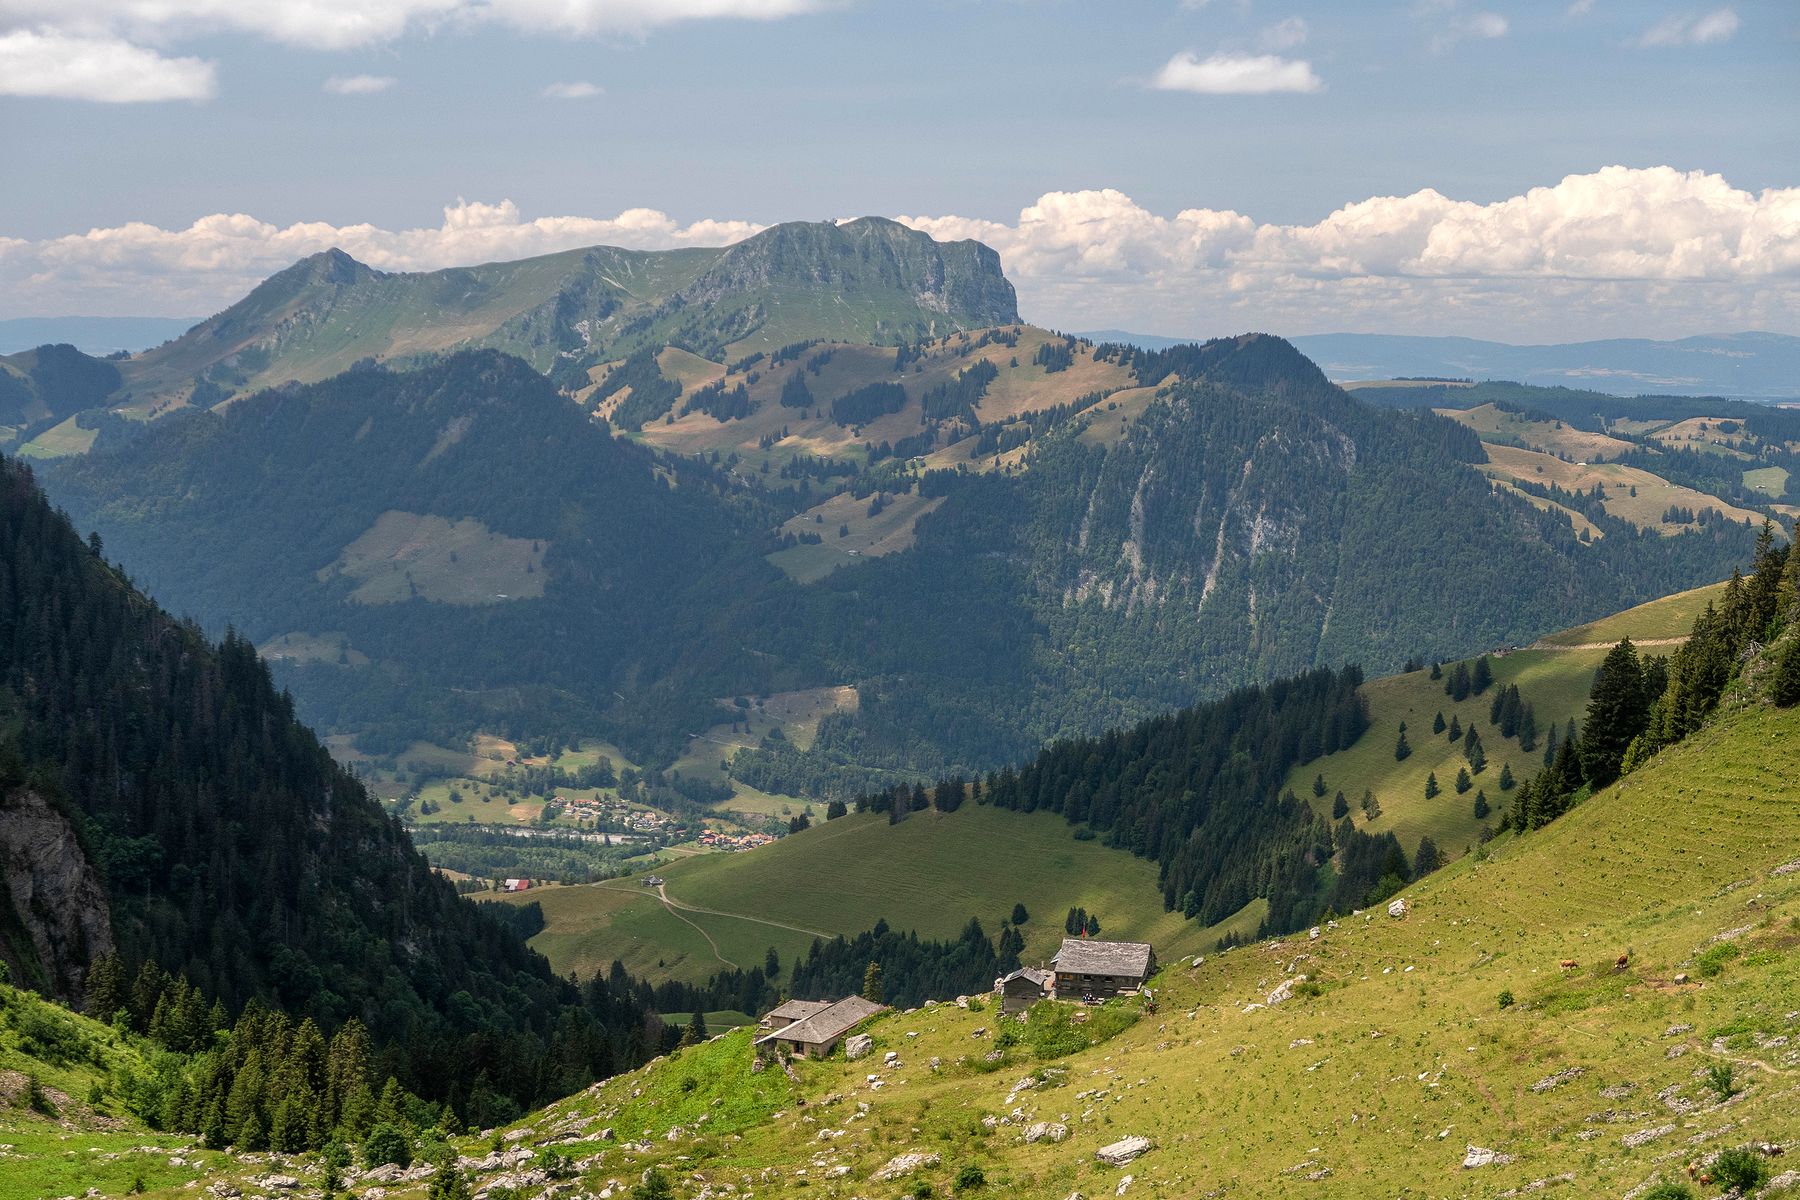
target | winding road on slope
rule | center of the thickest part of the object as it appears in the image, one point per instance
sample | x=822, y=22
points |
x=678, y=909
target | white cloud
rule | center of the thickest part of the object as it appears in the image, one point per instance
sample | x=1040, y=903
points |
x=102, y=49
x=1620, y=251
x=74, y=67
x=1478, y=26
x=358, y=85
x=1285, y=34
x=343, y=24
x=581, y=90
x=1689, y=30
x=1236, y=74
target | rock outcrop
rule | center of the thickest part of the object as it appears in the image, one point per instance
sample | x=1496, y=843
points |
x=54, y=918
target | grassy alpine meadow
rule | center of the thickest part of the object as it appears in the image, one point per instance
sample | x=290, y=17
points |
x=1587, y=1010
x=932, y=872
x=589, y=926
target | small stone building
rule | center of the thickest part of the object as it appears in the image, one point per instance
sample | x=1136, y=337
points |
x=1023, y=988
x=791, y=1011
x=1088, y=967
x=818, y=1034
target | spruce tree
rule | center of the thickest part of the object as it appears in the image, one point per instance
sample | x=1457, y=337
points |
x=1476, y=753
x=1428, y=858
x=872, y=990
x=1617, y=712
x=1437, y=722
x=1319, y=785
x=1481, y=805
x=1506, y=777
x=1463, y=782
x=1785, y=690
x=1431, y=786
x=1340, y=807
x=1456, y=729
x=1401, y=750
x=1484, y=675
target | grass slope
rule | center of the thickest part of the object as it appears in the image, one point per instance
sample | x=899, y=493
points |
x=1554, y=676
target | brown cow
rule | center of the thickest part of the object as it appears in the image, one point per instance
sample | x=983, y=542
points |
x=1568, y=964
x=1623, y=961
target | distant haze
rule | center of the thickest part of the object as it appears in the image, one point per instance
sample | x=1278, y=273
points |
x=91, y=335
x=1754, y=366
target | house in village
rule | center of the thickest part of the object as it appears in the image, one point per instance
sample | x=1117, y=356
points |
x=790, y=1011
x=816, y=1034
x=1023, y=988
x=1087, y=967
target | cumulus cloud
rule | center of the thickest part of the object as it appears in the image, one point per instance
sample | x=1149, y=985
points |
x=572, y=91
x=358, y=85
x=1620, y=251
x=1227, y=74
x=1690, y=30
x=107, y=69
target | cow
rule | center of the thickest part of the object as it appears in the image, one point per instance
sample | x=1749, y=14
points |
x=1568, y=964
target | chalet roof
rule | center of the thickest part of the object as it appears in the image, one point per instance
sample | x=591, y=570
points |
x=828, y=1024
x=796, y=1010
x=1084, y=956
x=1031, y=974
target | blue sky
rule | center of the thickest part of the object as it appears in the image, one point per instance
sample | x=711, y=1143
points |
x=934, y=110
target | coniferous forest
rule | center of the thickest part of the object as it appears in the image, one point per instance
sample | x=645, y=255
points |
x=245, y=870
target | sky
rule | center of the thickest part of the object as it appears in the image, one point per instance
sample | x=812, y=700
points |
x=1517, y=171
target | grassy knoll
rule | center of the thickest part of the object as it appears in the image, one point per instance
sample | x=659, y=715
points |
x=588, y=926
x=404, y=555
x=863, y=536
x=934, y=871
x=1554, y=676
x=60, y=441
x=1770, y=481
x=302, y=647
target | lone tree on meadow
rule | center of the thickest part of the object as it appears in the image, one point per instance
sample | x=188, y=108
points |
x=1402, y=751
x=1019, y=915
x=1431, y=786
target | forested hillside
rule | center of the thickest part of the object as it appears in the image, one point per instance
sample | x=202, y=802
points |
x=460, y=548
x=240, y=864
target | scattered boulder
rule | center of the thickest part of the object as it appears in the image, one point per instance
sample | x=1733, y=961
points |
x=1123, y=1151
x=1046, y=1131
x=1286, y=990
x=1481, y=1156
x=858, y=1045
x=906, y=1164
x=1123, y=1185
x=1399, y=907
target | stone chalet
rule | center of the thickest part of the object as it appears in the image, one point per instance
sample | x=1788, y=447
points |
x=1023, y=988
x=813, y=1028
x=1086, y=967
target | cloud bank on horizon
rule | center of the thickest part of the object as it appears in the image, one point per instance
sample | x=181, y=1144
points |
x=1621, y=251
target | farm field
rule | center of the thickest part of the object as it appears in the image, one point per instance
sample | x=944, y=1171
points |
x=1770, y=481
x=60, y=441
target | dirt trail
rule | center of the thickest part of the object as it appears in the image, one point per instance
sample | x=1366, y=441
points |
x=1674, y=641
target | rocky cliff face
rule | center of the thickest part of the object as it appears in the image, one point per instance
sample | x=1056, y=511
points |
x=868, y=257
x=54, y=918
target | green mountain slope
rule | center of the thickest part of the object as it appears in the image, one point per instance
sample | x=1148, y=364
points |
x=869, y=280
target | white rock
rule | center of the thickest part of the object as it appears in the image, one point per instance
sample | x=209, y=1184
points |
x=906, y=1164
x=1480, y=1156
x=858, y=1045
x=1123, y=1184
x=1122, y=1151
x=1046, y=1131
x=1398, y=908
